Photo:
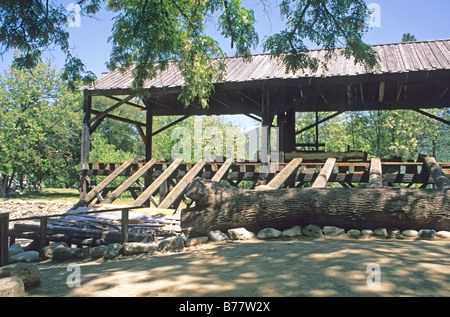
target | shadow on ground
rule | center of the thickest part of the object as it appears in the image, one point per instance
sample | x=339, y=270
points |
x=262, y=269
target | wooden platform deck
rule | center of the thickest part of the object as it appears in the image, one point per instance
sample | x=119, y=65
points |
x=167, y=181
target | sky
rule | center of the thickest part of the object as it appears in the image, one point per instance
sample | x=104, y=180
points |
x=427, y=20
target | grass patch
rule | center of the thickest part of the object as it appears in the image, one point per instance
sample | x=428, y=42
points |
x=60, y=195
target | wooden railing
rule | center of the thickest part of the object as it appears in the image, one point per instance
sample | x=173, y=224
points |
x=43, y=220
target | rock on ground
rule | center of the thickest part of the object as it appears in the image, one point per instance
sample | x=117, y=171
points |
x=354, y=233
x=11, y=287
x=62, y=254
x=14, y=249
x=130, y=248
x=443, y=234
x=269, y=233
x=27, y=257
x=427, y=233
x=240, y=234
x=113, y=250
x=381, y=232
x=171, y=244
x=217, y=235
x=195, y=241
x=295, y=231
x=312, y=231
x=47, y=251
x=410, y=233
x=332, y=231
x=28, y=273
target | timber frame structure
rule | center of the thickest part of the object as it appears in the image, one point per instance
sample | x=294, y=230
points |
x=412, y=76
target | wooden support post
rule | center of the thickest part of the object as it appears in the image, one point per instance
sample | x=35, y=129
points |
x=146, y=194
x=222, y=171
x=290, y=131
x=97, y=189
x=149, y=141
x=375, y=178
x=86, y=128
x=179, y=189
x=124, y=223
x=43, y=232
x=122, y=188
x=85, y=141
x=281, y=177
x=440, y=179
x=381, y=93
x=148, y=134
x=281, y=124
x=325, y=173
x=4, y=227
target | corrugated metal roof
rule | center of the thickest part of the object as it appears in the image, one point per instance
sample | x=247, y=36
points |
x=395, y=58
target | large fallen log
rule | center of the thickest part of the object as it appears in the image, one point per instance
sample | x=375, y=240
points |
x=221, y=207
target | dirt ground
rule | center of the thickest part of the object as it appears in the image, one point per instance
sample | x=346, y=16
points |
x=255, y=268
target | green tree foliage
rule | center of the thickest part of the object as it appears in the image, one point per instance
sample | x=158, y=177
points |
x=148, y=34
x=408, y=37
x=385, y=134
x=39, y=124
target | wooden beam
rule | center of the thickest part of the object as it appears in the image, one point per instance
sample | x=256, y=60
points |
x=319, y=122
x=399, y=90
x=170, y=125
x=180, y=188
x=285, y=173
x=375, y=178
x=432, y=116
x=443, y=94
x=4, y=227
x=325, y=173
x=128, y=103
x=156, y=184
x=122, y=188
x=124, y=223
x=222, y=171
x=142, y=134
x=325, y=155
x=86, y=128
x=440, y=179
x=97, y=189
x=361, y=90
x=381, y=94
x=117, y=118
x=117, y=105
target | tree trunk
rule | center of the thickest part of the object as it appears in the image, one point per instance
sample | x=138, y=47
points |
x=4, y=189
x=221, y=207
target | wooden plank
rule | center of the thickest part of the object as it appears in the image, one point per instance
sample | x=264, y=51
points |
x=157, y=183
x=440, y=179
x=381, y=96
x=375, y=178
x=4, y=227
x=325, y=173
x=285, y=173
x=112, y=236
x=97, y=189
x=124, y=223
x=122, y=188
x=325, y=155
x=179, y=189
x=43, y=233
x=222, y=171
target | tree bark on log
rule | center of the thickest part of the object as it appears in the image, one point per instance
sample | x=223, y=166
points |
x=222, y=207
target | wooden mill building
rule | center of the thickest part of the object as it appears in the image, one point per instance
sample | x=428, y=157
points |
x=413, y=76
